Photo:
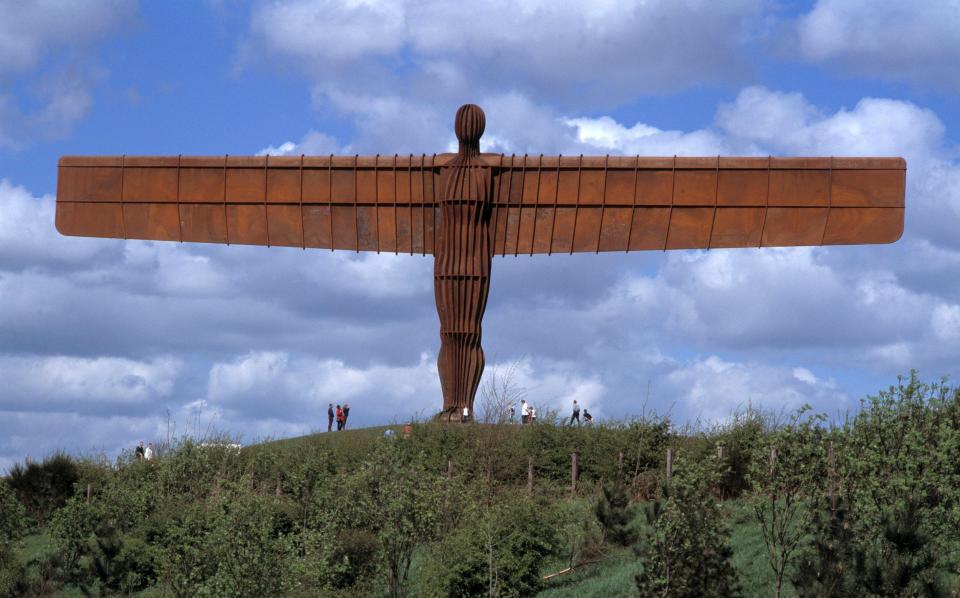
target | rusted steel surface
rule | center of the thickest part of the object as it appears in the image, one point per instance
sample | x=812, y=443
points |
x=595, y=203
x=331, y=202
x=540, y=204
x=464, y=208
x=461, y=271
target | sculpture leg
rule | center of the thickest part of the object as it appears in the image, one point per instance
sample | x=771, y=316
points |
x=461, y=301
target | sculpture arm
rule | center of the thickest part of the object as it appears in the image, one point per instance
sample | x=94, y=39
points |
x=356, y=203
x=546, y=204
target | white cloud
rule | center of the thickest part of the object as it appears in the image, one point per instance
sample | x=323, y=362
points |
x=84, y=385
x=564, y=49
x=713, y=389
x=914, y=41
x=291, y=387
x=312, y=143
x=30, y=34
x=29, y=29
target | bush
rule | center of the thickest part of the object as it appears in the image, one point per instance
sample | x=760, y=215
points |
x=686, y=552
x=235, y=546
x=44, y=487
x=497, y=552
x=616, y=514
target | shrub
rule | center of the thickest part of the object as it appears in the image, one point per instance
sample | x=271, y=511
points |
x=616, y=514
x=44, y=487
x=497, y=552
x=685, y=551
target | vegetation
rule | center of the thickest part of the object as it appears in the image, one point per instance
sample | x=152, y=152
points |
x=757, y=506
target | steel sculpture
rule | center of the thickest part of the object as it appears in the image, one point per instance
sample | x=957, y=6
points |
x=464, y=208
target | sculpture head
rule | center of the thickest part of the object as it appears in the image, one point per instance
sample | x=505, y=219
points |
x=469, y=125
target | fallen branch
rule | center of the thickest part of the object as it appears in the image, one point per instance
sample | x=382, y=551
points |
x=575, y=567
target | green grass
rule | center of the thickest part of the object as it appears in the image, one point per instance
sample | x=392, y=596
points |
x=35, y=546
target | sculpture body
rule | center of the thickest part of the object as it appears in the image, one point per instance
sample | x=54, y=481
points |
x=467, y=207
x=461, y=266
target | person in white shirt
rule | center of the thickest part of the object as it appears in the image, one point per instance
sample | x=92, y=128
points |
x=466, y=415
x=524, y=412
x=148, y=454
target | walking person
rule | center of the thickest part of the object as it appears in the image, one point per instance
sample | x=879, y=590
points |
x=576, y=413
x=524, y=412
x=330, y=417
x=339, y=418
x=346, y=414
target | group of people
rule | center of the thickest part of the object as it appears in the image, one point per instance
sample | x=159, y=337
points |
x=587, y=418
x=340, y=415
x=144, y=454
x=528, y=413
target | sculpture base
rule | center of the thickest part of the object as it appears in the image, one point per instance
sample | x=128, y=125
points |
x=452, y=415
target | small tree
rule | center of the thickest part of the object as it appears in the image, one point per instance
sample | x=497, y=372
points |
x=400, y=503
x=497, y=552
x=903, y=562
x=787, y=468
x=827, y=567
x=685, y=551
x=500, y=391
x=616, y=514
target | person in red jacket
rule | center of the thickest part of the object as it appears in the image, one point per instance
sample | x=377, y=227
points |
x=339, y=418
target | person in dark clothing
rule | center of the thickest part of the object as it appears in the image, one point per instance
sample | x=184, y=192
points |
x=339, y=418
x=346, y=414
x=330, y=418
x=139, y=451
x=587, y=417
x=576, y=413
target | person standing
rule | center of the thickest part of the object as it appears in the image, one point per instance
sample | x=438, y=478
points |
x=148, y=454
x=533, y=415
x=346, y=414
x=330, y=417
x=339, y=418
x=139, y=451
x=524, y=412
x=576, y=413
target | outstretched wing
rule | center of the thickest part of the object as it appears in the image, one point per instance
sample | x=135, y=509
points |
x=358, y=203
x=567, y=204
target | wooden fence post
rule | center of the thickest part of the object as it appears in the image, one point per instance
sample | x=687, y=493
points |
x=574, y=471
x=773, y=458
x=669, y=464
x=530, y=476
x=719, y=450
x=89, y=493
x=449, y=468
x=620, y=464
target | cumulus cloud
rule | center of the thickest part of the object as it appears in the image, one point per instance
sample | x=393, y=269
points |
x=566, y=50
x=912, y=41
x=713, y=389
x=29, y=29
x=85, y=385
x=59, y=36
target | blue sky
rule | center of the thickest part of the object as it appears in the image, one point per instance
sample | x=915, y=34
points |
x=101, y=339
